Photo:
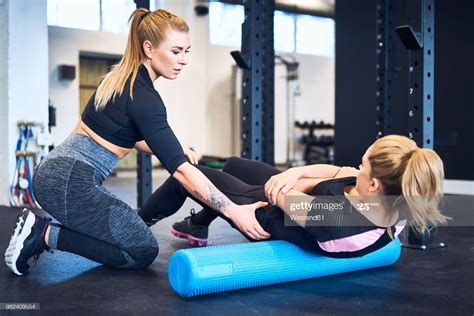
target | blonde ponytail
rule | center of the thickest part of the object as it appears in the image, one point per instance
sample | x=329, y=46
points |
x=422, y=188
x=144, y=25
x=415, y=174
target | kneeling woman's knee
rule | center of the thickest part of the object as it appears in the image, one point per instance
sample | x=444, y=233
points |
x=143, y=255
x=151, y=255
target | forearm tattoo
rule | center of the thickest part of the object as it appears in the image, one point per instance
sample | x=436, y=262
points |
x=214, y=199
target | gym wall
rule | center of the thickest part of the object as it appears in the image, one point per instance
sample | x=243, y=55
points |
x=24, y=79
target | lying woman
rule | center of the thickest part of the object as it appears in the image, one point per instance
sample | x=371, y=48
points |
x=368, y=208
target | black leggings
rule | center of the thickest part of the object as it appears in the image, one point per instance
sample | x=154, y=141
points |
x=249, y=171
x=242, y=182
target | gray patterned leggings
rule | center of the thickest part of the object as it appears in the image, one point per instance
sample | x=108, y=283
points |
x=94, y=223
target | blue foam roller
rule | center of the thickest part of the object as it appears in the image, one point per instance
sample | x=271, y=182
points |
x=198, y=271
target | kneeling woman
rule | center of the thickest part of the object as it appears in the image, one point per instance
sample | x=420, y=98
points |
x=392, y=167
x=125, y=112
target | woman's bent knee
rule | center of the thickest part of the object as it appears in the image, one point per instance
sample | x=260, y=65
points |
x=230, y=163
x=142, y=258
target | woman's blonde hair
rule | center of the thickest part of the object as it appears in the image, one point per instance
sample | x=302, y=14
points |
x=412, y=172
x=144, y=25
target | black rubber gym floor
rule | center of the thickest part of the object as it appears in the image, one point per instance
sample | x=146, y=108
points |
x=437, y=281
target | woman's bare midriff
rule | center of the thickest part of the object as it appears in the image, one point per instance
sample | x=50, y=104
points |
x=120, y=152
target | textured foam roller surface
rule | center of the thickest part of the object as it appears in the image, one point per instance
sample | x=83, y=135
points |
x=198, y=271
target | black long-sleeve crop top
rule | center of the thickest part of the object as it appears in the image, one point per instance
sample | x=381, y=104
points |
x=125, y=121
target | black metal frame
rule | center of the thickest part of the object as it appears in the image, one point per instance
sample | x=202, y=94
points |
x=268, y=84
x=257, y=59
x=420, y=45
x=142, y=4
x=385, y=66
x=144, y=167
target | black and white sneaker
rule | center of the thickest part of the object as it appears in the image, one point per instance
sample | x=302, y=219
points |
x=27, y=241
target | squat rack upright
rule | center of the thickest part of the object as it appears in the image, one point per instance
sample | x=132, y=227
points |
x=418, y=39
x=257, y=59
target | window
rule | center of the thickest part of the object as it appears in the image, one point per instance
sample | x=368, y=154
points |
x=315, y=35
x=94, y=15
x=115, y=15
x=293, y=33
x=80, y=14
x=225, y=24
x=284, y=32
